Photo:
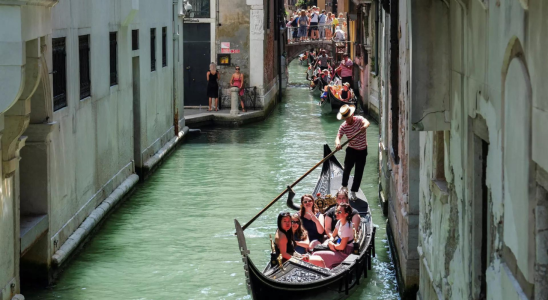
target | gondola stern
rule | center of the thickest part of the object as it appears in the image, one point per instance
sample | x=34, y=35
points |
x=244, y=252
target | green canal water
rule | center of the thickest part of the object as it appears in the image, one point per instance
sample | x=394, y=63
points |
x=174, y=238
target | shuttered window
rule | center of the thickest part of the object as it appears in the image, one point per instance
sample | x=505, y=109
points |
x=59, y=58
x=85, y=78
x=113, y=59
x=153, y=49
x=164, y=46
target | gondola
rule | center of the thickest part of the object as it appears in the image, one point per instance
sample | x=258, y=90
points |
x=296, y=279
x=318, y=88
x=336, y=103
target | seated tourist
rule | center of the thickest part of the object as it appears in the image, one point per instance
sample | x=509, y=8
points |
x=326, y=79
x=346, y=94
x=312, y=220
x=341, y=241
x=324, y=95
x=284, y=238
x=330, y=218
x=299, y=235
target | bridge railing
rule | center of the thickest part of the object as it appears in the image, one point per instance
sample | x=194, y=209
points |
x=325, y=33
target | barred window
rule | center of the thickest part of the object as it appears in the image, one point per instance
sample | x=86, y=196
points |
x=113, y=59
x=59, y=58
x=164, y=46
x=200, y=8
x=85, y=78
x=153, y=49
x=135, y=39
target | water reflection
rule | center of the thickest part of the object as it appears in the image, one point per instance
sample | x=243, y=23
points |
x=174, y=239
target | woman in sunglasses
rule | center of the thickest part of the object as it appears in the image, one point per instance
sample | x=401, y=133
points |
x=312, y=220
x=237, y=80
x=341, y=240
x=285, y=244
x=299, y=235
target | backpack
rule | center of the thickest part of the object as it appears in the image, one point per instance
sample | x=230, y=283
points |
x=322, y=18
x=294, y=23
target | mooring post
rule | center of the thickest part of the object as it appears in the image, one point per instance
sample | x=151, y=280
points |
x=234, y=100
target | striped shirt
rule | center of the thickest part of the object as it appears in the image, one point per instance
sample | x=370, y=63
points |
x=360, y=142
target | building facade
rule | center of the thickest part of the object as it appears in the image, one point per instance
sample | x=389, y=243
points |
x=462, y=118
x=242, y=33
x=93, y=102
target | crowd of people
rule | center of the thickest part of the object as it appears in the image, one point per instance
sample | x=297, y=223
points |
x=324, y=240
x=311, y=24
x=336, y=80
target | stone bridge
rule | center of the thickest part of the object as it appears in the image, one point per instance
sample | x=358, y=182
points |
x=294, y=49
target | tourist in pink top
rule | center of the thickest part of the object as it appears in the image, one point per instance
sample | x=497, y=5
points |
x=356, y=153
x=346, y=69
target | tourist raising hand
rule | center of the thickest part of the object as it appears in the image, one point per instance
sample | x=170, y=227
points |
x=312, y=221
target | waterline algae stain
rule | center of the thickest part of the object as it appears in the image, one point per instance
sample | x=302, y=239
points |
x=174, y=238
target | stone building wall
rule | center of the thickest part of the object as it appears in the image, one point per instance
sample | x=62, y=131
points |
x=67, y=166
x=483, y=180
x=234, y=19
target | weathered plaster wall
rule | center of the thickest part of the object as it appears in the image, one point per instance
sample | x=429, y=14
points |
x=91, y=152
x=497, y=95
x=234, y=19
x=23, y=27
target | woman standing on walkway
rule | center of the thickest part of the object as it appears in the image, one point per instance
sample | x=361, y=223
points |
x=213, y=86
x=237, y=80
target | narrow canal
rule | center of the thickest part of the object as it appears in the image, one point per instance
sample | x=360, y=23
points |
x=174, y=238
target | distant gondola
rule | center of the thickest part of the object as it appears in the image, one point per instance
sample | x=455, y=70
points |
x=336, y=103
x=297, y=279
x=317, y=89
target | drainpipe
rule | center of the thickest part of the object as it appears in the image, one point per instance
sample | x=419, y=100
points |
x=175, y=60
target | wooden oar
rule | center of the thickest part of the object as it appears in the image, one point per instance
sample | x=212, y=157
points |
x=295, y=183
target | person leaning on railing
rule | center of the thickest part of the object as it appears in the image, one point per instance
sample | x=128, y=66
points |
x=321, y=23
x=328, y=25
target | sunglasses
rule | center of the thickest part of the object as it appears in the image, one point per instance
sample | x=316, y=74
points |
x=338, y=212
x=295, y=222
x=237, y=69
x=306, y=201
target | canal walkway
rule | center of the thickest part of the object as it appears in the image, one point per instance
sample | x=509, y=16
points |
x=174, y=238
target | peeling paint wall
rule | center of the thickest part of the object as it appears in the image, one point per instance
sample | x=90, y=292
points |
x=497, y=103
x=234, y=20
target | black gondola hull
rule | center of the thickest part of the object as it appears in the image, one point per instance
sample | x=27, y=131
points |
x=302, y=280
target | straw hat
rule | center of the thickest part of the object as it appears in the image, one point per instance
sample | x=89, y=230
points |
x=346, y=111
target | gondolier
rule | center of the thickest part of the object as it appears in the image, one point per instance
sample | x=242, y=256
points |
x=346, y=69
x=356, y=153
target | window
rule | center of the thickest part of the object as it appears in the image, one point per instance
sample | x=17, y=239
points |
x=200, y=8
x=153, y=49
x=59, y=57
x=113, y=59
x=164, y=46
x=439, y=156
x=85, y=78
x=135, y=39
x=267, y=14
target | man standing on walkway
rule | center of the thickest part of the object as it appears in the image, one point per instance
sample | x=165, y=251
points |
x=356, y=153
x=346, y=69
x=321, y=24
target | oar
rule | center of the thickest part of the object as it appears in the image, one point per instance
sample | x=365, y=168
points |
x=295, y=183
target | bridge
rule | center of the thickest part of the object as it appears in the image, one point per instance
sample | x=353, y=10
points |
x=295, y=49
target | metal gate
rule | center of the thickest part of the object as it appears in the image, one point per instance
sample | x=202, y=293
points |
x=196, y=58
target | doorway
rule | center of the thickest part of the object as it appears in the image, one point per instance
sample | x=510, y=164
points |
x=196, y=59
